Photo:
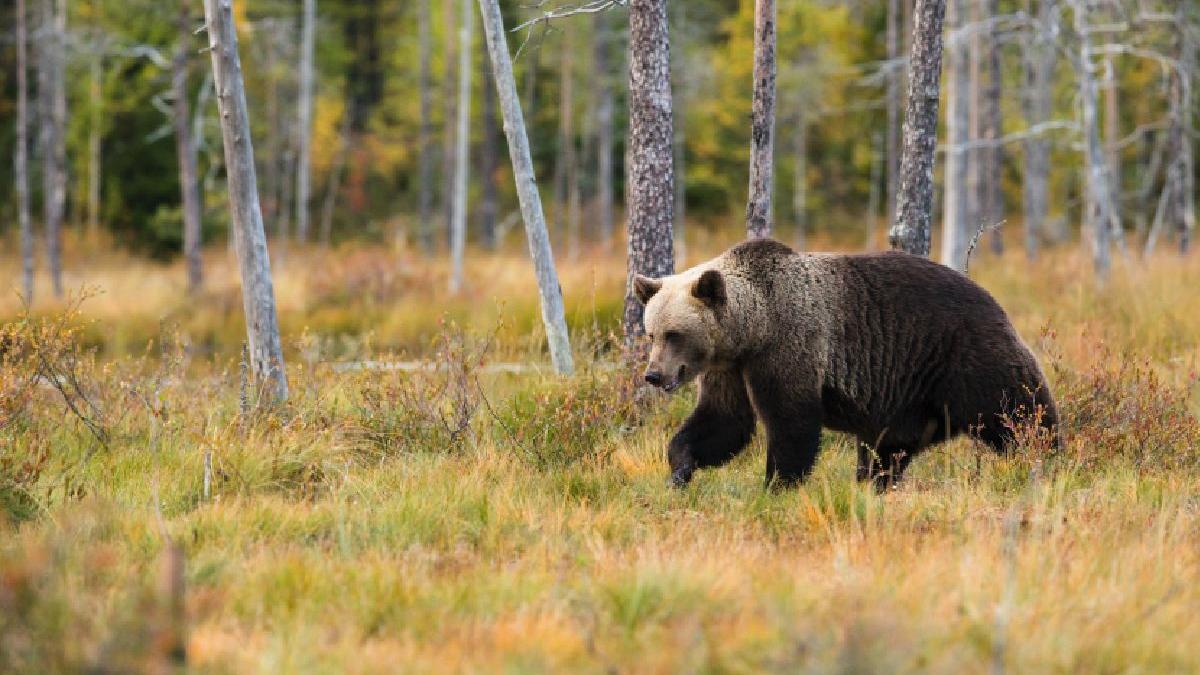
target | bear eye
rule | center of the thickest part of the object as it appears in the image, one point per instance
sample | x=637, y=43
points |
x=672, y=336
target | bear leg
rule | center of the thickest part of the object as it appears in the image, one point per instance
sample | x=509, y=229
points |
x=718, y=429
x=883, y=467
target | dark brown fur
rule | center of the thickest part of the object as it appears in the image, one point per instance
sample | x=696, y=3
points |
x=899, y=351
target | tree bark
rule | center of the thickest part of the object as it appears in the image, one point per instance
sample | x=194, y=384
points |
x=553, y=314
x=424, y=138
x=448, y=117
x=21, y=155
x=650, y=172
x=604, y=129
x=1099, y=213
x=258, y=293
x=458, y=217
x=762, y=122
x=186, y=151
x=956, y=227
x=489, y=204
x=892, y=149
x=1040, y=59
x=914, y=203
x=1187, y=25
x=53, y=94
x=304, y=116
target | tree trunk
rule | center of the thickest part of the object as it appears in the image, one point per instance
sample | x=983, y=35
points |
x=1187, y=26
x=553, y=314
x=914, y=203
x=448, y=117
x=335, y=174
x=1040, y=59
x=604, y=129
x=186, y=150
x=489, y=204
x=95, y=69
x=304, y=116
x=424, y=139
x=679, y=141
x=800, y=181
x=762, y=122
x=21, y=156
x=992, y=157
x=458, y=219
x=258, y=293
x=1099, y=213
x=956, y=226
x=892, y=150
x=53, y=93
x=650, y=173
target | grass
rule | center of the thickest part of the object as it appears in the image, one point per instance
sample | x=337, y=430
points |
x=464, y=519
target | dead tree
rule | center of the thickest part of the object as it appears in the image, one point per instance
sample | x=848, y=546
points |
x=1176, y=204
x=304, y=118
x=458, y=214
x=21, y=156
x=1041, y=56
x=553, y=314
x=956, y=226
x=258, y=292
x=991, y=157
x=892, y=149
x=650, y=172
x=424, y=138
x=762, y=122
x=1099, y=214
x=448, y=107
x=189, y=186
x=914, y=203
x=52, y=91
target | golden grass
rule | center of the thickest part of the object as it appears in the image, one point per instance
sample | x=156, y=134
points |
x=346, y=533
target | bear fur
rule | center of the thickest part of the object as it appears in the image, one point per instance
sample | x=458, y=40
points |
x=895, y=349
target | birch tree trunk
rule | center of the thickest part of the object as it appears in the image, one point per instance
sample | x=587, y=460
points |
x=956, y=227
x=604, y=129
x=53, y=93
x=458, y=217
x=21, y=155
x=304, y=116
x=1112, y=136
x=425, y=135
x=553, y=314
x=258, y=293
x=1040, y=59
x=489, y=206
x=892, y=149
x=448, y=117
x=1099, y=214
x=650, y=172
x=762, y=122
x=914, y=203
x=186, y=151
x=1187, y=25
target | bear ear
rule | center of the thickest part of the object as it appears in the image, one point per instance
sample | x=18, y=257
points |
x=710, y=288
x=644, y=287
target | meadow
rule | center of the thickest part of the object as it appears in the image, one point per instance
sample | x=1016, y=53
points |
x=473, y=512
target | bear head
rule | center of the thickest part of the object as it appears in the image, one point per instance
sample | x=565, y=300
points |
x=681, y=320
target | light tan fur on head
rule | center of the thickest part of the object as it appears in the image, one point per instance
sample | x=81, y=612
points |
x=681, y=322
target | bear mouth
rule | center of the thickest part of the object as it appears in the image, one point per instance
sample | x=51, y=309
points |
x=675, y=383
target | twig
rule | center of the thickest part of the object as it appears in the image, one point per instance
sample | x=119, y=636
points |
x=975, y=240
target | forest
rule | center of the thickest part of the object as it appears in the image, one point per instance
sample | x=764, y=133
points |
x=321, y=350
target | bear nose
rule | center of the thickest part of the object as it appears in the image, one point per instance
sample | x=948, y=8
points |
x=654, y=377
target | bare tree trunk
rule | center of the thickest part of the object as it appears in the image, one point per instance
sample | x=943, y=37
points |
x=992, y=165
x=1112, y=135
x=53, y=93
x=1099, y=214
x=489, y=206
x=892, y=150
x=553, y=314
x=1040, y=59
x=650, y=172
x=97, y=108
x=974, y=158
x=258, y=293
x=1187, y=26
x=762, y=122
x=21, y=156
x=335, y=175
x=604, y=129
x=304, y=115
x=448, y=117
x=914, y=203
x=186, y=150
x=424, y=139
x=458, y=219
x=956, y=227
x=800, y=181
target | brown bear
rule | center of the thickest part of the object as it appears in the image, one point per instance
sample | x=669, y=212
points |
x=895, y=349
